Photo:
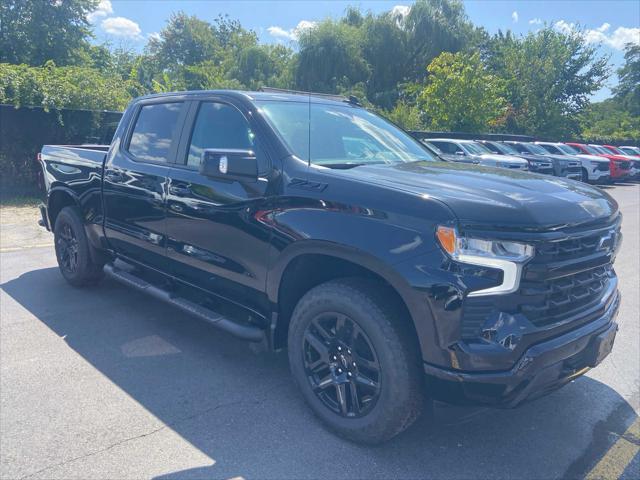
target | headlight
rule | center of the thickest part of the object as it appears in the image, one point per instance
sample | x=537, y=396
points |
x=503, y=255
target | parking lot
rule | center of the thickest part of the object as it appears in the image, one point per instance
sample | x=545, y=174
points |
x=108, y=383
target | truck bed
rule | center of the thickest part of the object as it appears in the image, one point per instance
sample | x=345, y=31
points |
x=75, y=168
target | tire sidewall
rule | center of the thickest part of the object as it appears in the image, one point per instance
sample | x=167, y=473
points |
x=84, y=273
x=395, y=381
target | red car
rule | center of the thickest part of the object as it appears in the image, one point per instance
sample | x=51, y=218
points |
x=634, y=159
x=619, y=166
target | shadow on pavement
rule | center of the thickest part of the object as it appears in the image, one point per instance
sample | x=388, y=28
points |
x=242, y=410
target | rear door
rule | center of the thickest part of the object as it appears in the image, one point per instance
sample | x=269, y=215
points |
x=135, y=181
x=217, y=238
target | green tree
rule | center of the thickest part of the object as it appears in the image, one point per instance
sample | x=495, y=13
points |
x=433, y=27
x=461, y=95
x=33, y=32
x=611, y=121
x=186, y=40
x=330, y=57
x=549, y=77
x=627, y=93
x=406, y=115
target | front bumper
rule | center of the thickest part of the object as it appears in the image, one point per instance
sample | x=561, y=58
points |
x=542, y=368
x=600, y=176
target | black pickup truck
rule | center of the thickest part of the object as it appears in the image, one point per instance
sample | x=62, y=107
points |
x=308, y=222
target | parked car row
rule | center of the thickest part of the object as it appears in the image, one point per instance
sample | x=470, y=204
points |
x=577, y=161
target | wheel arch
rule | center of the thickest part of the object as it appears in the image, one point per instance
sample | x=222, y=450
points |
x=307, y=264
x=58, y=198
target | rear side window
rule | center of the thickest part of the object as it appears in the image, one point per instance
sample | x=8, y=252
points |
x=219, y=126
x=154, y=132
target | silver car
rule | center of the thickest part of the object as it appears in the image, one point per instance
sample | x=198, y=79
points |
x=465, y=150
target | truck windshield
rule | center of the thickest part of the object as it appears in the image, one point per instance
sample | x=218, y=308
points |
x=567, y=149
x=341, y=136
x=504, y=148
x=475, y=148
x=598, y=150
x=537, y=149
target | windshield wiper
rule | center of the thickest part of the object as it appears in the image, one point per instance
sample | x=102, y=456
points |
x=347, y=165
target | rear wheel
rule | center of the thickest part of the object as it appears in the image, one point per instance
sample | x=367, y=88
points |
x=354, y=360
x=73, y=249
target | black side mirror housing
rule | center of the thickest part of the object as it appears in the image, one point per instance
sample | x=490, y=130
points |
x=229, y=164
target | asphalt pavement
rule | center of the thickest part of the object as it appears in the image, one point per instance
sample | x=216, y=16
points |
x=108, y=383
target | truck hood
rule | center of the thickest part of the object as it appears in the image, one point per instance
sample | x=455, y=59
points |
x=511, y=159
x=593, y=158
x=494, y=197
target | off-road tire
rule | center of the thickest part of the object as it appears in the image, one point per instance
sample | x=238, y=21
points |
x=370, y=305
x=69, y=230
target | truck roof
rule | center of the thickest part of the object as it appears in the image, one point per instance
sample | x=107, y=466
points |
x=270, y=94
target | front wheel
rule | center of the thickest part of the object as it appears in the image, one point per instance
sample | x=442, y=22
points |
x=585, y=175
x=355, y=361
x=73, y=249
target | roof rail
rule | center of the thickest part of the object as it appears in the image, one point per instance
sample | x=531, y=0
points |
x=352, y=99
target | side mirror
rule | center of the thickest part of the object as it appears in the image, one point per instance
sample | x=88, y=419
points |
x=460, y=152
x=229, y=164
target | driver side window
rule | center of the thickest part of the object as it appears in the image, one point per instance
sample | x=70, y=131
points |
x=219, y=125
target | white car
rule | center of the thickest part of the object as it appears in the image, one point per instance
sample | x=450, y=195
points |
x=469, y=149
x=594, y=168
x=630, y=150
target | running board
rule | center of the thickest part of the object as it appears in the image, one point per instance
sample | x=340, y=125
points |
x=246, y=332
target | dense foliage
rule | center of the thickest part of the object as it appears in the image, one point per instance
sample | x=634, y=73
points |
x=427, y=67
x=459, y=94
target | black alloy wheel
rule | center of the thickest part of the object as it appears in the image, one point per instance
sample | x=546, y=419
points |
x=67, y=249
x=341, y=365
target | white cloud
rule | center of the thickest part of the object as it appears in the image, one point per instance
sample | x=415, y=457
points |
x=565, y=27
x=292, y=34
x=515, y=16
x=535, y=21
x=154, y=36
x=121, y=27
x=103, y=9
x=616, y=39
x=400, y=11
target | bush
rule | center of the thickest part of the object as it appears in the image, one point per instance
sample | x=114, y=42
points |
x=25, y=130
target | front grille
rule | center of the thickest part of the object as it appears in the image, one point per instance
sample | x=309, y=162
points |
x=624, y=165
x=602, y=167
x=574, y=248
x=550, y=301
x=564, y=281
x=574, y=165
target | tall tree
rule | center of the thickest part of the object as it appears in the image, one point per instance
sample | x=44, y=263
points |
x=460, y=95
x=627, y=93
x=550, y=76
x=433, y=27
x=36, y=31
x=330, y=58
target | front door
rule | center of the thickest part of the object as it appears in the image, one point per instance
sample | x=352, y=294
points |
x=217, y=239
x=135, y=183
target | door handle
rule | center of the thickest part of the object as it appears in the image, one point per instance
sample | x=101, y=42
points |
x=179, y=190
x=115, y=176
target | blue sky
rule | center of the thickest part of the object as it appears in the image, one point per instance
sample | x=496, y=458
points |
x=607, y=23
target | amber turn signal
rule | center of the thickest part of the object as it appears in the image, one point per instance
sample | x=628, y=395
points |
x=447, y=238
